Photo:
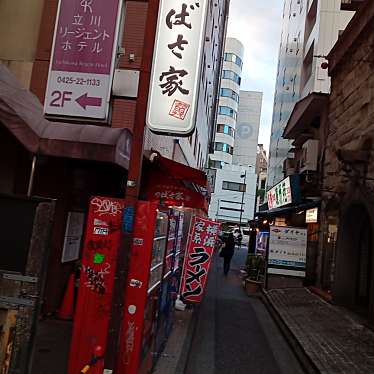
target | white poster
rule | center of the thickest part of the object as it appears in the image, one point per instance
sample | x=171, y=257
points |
x=287, y=251
x=173, y=93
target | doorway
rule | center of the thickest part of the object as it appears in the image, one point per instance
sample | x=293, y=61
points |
x=353, y=276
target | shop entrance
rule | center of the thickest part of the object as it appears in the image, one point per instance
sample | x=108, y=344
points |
x=354, y=260
x=364, y=271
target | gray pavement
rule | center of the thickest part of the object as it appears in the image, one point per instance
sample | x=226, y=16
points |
x=335, y=340
x=235, y=333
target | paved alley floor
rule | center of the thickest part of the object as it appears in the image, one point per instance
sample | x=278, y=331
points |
x=335, y=340
x=234, y=332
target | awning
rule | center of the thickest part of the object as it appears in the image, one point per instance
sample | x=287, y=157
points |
x=22, y=114
x=176, y=184
x=180, y=171
x=304, y=113
x=289, y=209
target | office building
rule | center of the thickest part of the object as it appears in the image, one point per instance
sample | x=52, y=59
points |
x=309, y=31
x=228, y=104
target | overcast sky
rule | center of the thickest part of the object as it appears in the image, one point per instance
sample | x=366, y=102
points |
x=257, y=24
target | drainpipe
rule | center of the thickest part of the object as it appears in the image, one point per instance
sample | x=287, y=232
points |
x=32, y=174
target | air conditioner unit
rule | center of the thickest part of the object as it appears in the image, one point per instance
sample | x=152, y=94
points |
x=309, y=156
x=289, y=167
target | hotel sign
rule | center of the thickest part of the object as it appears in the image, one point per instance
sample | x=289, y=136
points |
x=83, y=57
x=174, y=87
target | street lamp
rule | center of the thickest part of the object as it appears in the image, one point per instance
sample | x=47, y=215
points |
x=243, y=192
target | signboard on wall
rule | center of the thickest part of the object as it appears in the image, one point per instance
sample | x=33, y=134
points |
x=200, y=249
x=287, y=251
x=175, y=80
x=83, y=57
x=311, y=215
x=285, y=192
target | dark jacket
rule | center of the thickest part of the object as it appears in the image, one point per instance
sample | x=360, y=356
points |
x=229, y=246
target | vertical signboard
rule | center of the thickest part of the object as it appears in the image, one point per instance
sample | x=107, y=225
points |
x=92, y=314
x=287, y=251
x=83, y=57
x=174, y=87
x=200, y=249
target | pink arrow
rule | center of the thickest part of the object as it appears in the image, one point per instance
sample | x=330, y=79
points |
x=86, y=100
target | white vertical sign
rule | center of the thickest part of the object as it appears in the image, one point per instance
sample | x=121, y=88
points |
x=174, y=87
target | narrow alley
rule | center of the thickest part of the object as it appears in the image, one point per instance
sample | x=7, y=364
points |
x=234, y=332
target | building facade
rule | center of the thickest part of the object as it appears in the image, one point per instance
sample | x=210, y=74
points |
x=309, y=31
x=347, y=242
x=67, y=160
x=233, y=199
x=261, y=171
x=234, y=194
x=247, y=128
x=228, y=104
x=234, y=156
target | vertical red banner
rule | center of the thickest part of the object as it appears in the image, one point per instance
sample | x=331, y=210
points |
x=92, y=313
x=200, y=247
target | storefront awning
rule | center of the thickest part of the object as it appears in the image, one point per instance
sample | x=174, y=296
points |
x=180, y=171
x=176, y=184
x=22, y=114
x=289, y=209
x=305, y=112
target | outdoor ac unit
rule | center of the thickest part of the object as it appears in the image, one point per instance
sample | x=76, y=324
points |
x=309, y=156
x=289, y=166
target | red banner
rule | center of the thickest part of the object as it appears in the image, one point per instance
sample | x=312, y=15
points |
x=203, y=235
x=91, y=321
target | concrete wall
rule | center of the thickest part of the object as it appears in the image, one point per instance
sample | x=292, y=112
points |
x=19, y=30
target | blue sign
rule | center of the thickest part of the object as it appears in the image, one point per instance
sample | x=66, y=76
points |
x=128, y=219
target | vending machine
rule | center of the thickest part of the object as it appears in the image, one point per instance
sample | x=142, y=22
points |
x=152, y=288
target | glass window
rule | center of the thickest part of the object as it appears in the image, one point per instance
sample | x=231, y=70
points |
x=233, y=186
x=227, y=92
x=227, y=111
x=223, y=147
x=216, y=164
x=225, y=129
x=229, y=74
x=231, y=57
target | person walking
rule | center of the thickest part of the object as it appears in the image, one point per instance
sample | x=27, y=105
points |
x=227, y=252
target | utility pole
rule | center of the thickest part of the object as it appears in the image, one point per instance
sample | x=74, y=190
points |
x=132, y=190
x=243, y=192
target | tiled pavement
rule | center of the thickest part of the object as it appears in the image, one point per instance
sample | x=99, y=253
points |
x=333, y=340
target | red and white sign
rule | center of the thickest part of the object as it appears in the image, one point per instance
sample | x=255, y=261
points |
x=200, y=249
x=83, y=57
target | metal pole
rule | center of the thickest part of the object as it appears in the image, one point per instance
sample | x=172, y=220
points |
x=32, y=174
x=241, y=207
x=132, y=190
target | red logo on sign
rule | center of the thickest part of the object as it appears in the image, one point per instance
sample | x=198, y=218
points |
x=179, y=109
